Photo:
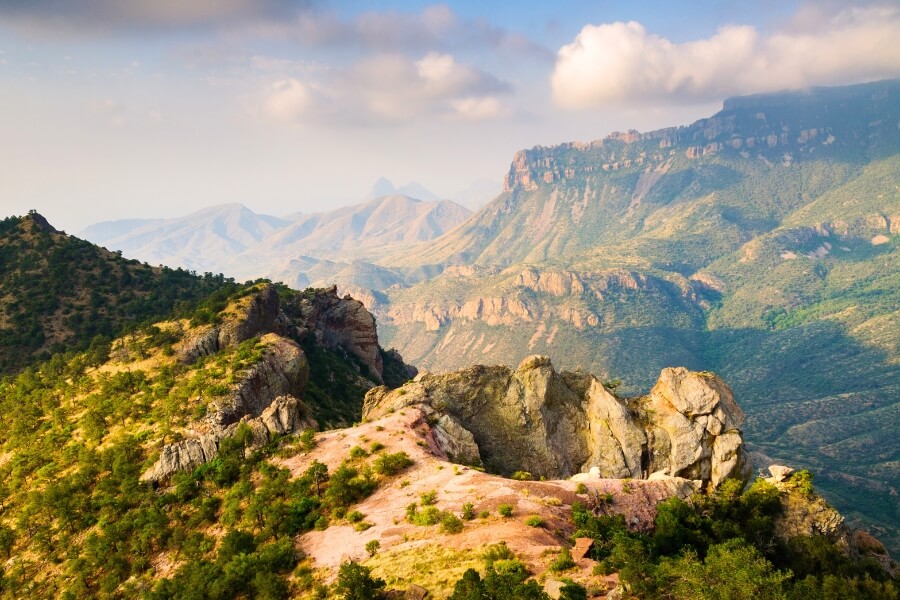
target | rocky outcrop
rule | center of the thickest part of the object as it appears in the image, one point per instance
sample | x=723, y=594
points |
x=804, y=513
x=339, y=323
x=694, y=429
x=282, y=371
x=265, y=398
x=285, y=414
x=558, y=424
x=256, y=314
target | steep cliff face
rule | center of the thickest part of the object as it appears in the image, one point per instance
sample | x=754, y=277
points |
x=337, y=322
x=558, y=424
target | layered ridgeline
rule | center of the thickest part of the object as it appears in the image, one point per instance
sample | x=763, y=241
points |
x=300, y=250
x=760, y=243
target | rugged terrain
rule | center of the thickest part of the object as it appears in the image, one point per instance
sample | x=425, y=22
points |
x=760, y=243
x=179, y=460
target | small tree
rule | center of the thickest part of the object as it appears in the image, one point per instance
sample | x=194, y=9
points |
x=355, y=582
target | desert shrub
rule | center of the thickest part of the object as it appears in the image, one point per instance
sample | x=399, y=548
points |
x=372, y=547
x=505, y=510
x=522, y=476
x=562, y=562
x=354, y=516
x=391, y=464
x=534, y=521
x=468, y=511
x=428, y=498
x=450, y=523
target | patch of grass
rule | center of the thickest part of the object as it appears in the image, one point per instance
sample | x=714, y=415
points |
x=534, y=521
x=435, y=567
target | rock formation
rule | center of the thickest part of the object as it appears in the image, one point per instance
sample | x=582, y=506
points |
x=339, y=323
x=558, y=424
x=267, y=397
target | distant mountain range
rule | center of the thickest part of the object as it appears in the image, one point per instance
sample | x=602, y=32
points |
x=233, y=239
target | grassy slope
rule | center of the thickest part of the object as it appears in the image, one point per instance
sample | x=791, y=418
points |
x=78, y=431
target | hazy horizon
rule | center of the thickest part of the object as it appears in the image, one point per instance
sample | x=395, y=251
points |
x=136, y=110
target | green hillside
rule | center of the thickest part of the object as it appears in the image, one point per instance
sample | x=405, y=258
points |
x=60, y=293
x=81, y=431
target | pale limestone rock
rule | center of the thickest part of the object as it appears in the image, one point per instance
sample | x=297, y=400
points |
x=557, y=424
x=455, y=441
x=616, y=441
x=780, y=472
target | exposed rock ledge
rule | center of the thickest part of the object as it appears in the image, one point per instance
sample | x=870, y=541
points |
x=264, y=398
x=558, y=424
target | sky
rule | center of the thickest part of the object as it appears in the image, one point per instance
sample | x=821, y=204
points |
x=113, y=109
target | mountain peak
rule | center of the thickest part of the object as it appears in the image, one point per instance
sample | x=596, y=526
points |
x=41, y=222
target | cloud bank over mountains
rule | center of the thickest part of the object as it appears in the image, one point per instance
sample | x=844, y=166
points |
x=618, y=63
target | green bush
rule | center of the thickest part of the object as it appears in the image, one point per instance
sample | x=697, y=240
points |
x=468, y=511
x=505, y=510
x=534, y=521
x=450, y=523
x=391, y=464
x=562, y=562
x=355, y=582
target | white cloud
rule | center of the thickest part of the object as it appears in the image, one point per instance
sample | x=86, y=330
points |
x=620, y=63
x=478, y=109
x=288, y=100
x=388, y=88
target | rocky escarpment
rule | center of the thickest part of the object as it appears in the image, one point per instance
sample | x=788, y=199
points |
x=558, y=424
x=267, y=396
x=337, y=322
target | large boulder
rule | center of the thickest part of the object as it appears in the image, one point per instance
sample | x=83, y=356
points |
x=558, y=424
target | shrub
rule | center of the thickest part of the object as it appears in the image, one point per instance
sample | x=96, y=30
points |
x=468, y=511
x=308, y=439
x=429, y=498
x=354, y=516
x=534, y=521
x=563, y=561
x=372, y=547
x=495, y=552
x=505, y=510
x=391, y=464
x=357, y=452
x=450, y=523
x=581, y=489
x=355, y=582
x=376, y=447
x=522, y=476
